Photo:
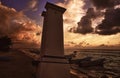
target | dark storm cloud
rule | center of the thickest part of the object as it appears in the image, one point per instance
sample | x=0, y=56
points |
x=85, y=24
x=101, y=4
x=111, y=23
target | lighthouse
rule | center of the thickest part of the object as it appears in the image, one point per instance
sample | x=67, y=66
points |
x=52, y=63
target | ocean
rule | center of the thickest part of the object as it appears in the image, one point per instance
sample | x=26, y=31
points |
x=111, y=66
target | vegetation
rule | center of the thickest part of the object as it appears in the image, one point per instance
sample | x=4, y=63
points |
x=5, y=43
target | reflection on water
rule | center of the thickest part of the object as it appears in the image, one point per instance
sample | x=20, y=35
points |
x=111, y=67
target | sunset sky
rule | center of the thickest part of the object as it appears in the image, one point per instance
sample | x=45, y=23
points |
x=87, y=23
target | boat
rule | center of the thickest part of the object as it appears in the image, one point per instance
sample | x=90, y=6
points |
x=78, y=61
x=98, y=62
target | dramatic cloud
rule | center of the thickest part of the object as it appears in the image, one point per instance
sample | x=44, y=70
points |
x=111, y=23
x=80, y=12
x=85, y=14
x=102, y=4
x=84, y=26
x=93, y=21
x=17, y=26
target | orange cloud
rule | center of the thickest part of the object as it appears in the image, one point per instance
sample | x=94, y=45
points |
x=18, y=26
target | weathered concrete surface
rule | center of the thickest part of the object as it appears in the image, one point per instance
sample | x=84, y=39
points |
x=53, y=44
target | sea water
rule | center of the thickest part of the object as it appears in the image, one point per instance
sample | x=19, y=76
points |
x=111, y=66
